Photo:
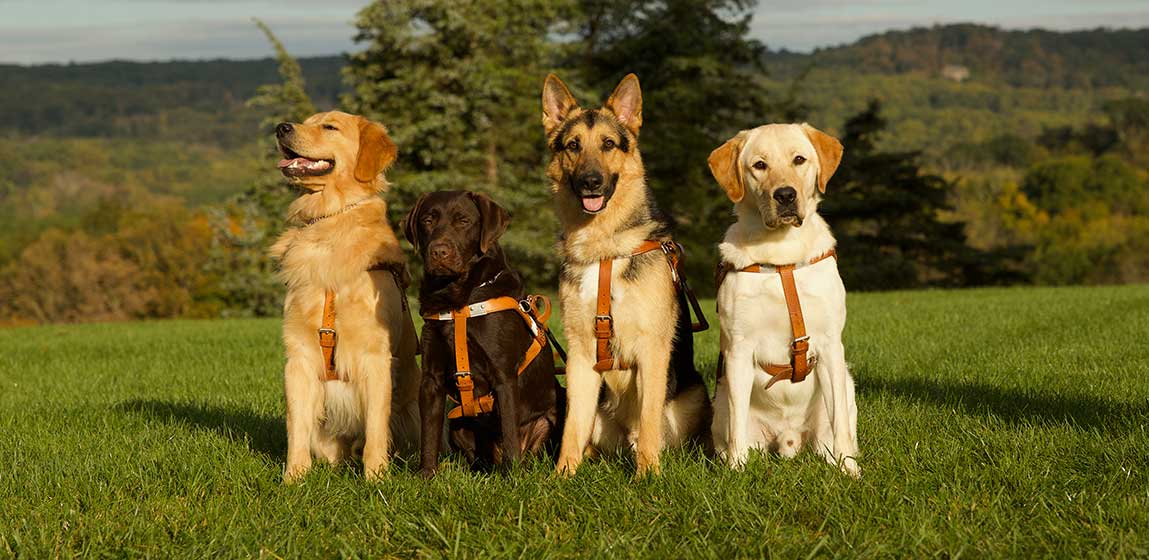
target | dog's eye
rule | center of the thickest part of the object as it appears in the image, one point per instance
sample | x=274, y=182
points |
x=799, y=160
x=573, y=145
x=463, y=221
x=330, y=127
x=608, y=144
x=760, y=165
x=427, y=220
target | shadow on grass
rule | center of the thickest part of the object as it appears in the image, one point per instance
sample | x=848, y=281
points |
x=1016, y=407
x=263, y=434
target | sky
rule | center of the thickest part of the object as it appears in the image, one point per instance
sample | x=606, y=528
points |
x=62, y=31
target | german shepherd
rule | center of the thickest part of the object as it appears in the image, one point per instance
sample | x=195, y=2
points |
x=607, y=212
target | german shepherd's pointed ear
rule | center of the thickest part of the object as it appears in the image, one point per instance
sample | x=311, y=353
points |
x=376, y=151
x=626, y=103
x=829, y=154
x=557, y=102
x=726, y=168
x=411, y=223
x=492, y=217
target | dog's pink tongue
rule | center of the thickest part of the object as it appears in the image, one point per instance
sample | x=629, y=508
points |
x=592, y=203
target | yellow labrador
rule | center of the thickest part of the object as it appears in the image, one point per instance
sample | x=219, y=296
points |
x=774, y=174
x=340, y=254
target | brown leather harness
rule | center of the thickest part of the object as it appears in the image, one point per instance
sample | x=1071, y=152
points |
x=604, y=322
x=800, y=362
x=327, y=335
x=535, y=310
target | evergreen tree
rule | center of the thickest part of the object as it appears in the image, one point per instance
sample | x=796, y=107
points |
x=888, y=217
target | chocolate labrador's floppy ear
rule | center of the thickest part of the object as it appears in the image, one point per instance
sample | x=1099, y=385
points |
x=494, y=220
x=726, y=167
x=829, y=154
x=626, y=103
x=376, y=151
x=411, y=223
x=557, y=102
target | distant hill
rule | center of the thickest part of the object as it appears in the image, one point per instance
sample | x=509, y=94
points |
x=200, y=101
x=1032, y=58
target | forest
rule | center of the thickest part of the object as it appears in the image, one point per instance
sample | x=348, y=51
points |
x=974, y=155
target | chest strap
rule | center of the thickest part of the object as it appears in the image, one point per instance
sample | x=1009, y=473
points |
x=535, y=311
x=327, y=335
x=604, y=321
x=801, y=363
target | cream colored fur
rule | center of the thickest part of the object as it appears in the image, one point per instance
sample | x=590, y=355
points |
x=821, y=411
x=374, y=405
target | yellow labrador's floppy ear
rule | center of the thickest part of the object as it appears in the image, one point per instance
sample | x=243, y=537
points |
x=626, y=103
x=557, y=102
x=726, y=168
x=829, y=154
x=376, y=151
x=493, y=218
x=411, y=223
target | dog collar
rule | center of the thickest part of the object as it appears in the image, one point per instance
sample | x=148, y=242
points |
x=337, y=212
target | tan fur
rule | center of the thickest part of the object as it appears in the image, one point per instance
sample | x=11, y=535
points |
x=634, y=412
x=375, y=402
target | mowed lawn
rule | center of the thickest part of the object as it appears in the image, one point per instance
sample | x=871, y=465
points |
x=993, y=423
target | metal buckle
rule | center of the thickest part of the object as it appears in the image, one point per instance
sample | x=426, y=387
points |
x=598, y=319
x=525, y=306
x=462, y=374
x=324, y=330
x=801, y=339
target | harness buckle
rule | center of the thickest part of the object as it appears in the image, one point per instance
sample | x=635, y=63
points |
x=603, y=326
x=323, y=331
x=525, y=306
x=462, y=374
x=800, y=340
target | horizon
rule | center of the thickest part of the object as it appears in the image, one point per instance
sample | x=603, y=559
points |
x=177, y=30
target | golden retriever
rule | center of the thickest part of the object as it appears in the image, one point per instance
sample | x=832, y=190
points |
x=339, y=239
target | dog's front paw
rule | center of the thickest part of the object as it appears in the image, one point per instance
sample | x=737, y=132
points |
x=736, y=460
x=648, y=465
x=851, y=468
x=293, y=474
x=427, y=473
x=567, y=466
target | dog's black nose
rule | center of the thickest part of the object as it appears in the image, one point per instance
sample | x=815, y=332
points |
x=786, y=195
x=590, y=183
x=283, y=129
x=439, y=252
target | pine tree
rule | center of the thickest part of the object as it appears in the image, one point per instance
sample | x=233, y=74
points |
x=888, y=217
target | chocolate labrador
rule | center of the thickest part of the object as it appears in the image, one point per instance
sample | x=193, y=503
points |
x=469, y=292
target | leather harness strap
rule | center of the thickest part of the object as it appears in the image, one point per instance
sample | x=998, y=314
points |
x=535, y=311
x=604, y=321
x=327, y=335
x=800, y=362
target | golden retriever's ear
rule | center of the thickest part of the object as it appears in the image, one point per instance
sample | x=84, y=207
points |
x=376, y=151
x=411, y=223
x=829, y=154
x=493, y=218
x=726, y=167
x=626, y=103
x=557, y=102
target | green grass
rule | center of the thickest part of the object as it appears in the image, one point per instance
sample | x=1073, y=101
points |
x=993, y=423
